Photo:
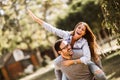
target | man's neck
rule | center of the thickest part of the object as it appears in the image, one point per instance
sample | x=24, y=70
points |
x=67, y=57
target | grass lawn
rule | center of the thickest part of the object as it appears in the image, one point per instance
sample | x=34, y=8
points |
x=111, y=65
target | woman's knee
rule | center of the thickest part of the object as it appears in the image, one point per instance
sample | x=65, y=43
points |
x=100, y=75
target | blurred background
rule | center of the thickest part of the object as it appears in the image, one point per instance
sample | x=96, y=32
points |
x=26, y=51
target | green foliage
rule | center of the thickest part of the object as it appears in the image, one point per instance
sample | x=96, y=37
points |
x=111, y=11
x=18, y=30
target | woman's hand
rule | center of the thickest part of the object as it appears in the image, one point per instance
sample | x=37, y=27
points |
x=35, y=18
x=67, y=62
x=31, y=14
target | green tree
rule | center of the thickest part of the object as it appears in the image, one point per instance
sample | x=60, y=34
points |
x=111, y=12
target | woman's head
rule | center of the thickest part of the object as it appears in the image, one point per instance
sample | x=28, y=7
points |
x=83, y=30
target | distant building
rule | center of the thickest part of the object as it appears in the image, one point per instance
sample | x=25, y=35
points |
x=16, y=64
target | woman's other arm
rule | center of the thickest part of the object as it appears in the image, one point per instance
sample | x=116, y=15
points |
x=86, y=53
x=84, y=59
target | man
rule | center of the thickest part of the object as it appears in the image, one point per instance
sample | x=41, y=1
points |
x=73, y=72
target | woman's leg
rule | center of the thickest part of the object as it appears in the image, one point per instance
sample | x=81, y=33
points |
x=98, y=73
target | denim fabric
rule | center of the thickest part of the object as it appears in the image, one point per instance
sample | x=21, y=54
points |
x=94, y=69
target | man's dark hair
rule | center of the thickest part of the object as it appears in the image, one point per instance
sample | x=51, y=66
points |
x=57, y=45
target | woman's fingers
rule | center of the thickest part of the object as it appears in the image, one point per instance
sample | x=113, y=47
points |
x=31, y=14
x=35, y=18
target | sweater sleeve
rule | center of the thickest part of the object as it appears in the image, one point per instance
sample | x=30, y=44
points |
x=86, y=53
x=54, y=30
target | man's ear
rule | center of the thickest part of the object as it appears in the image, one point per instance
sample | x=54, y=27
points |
x=59, y=52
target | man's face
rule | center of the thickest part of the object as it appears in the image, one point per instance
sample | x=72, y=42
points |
x=66, y=50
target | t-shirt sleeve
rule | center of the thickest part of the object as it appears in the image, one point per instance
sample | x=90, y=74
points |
x=58, y=72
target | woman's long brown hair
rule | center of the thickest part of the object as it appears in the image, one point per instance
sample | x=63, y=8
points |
x=91, y=40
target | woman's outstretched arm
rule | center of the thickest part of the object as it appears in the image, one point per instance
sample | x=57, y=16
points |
x=48, y=27
x=35, y=18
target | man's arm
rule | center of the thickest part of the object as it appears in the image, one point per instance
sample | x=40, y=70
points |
x=58, y=74
x=64, y=77
x=71, y=62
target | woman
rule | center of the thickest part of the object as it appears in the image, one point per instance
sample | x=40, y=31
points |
x=81, y=38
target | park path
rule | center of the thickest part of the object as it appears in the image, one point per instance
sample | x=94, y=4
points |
x=45, y=73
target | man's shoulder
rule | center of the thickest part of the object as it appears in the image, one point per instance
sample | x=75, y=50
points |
x=58, y=60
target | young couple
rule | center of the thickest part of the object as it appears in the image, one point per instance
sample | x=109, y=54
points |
x=78, y=50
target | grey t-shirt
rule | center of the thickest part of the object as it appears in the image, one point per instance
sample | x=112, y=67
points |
x=75, y=71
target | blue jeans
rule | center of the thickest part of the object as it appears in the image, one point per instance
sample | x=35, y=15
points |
x=96, y=71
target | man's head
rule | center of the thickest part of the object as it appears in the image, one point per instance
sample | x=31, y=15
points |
x=63, y=48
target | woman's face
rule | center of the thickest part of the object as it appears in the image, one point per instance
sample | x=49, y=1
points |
x=80, y=31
